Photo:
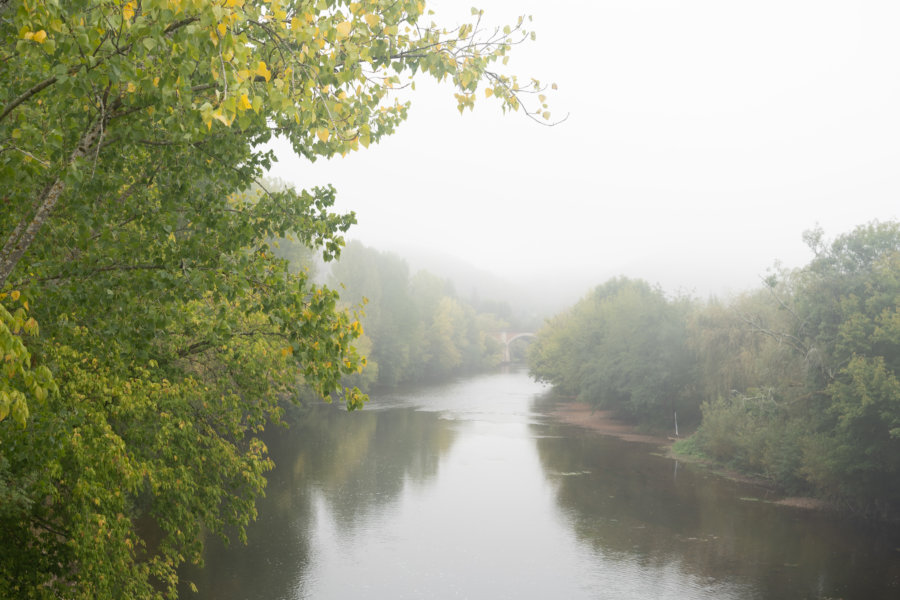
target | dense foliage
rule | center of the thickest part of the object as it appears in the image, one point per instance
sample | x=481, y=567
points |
x=416, y=326
x=622, y=347
x=798, y=381
x=148, y=331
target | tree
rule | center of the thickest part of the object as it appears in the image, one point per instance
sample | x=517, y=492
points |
x=380, y=280
x=622, y=347
x=811, y=372
x=750, y=380
x=131, y=230
x=849, y=305
x=417, y=327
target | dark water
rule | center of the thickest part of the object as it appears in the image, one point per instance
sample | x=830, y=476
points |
x=468, y=490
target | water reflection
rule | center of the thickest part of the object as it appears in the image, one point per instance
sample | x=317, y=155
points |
x=356, y=463
x=627, y=503
x=467, y=490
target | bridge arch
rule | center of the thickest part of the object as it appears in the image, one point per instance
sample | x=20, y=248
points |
x=508, y=337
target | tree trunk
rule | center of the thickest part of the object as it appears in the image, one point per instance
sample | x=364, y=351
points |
x=27, y=231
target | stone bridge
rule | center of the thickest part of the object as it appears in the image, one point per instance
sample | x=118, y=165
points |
x=508, y=337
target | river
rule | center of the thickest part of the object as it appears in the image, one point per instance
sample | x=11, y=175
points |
x=469, y=490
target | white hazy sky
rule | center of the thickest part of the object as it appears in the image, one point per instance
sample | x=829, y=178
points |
x=704, y=137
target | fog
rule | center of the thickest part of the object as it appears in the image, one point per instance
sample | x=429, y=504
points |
x=703, y=138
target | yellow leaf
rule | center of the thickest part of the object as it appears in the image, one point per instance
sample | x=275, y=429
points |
x=263, y=71
x=128, y=11
x=323, y=134
x=39, y=36
x=372, y=20
x=343, y=29
x=221, y=118
x=554, y=86
x=131, y=87
x=221, y=29
x=14, y=294
x=214, y=37
x=488, y=92
x=172, y=237
x=156, y=82
x=244, y=102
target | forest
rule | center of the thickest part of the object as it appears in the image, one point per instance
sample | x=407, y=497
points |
x=414, y=327
x=797, y=381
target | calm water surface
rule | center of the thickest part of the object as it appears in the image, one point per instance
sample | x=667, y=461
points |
x=468, y=490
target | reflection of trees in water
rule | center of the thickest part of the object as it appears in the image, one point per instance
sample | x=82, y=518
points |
x=358, y=462
x=628, y=504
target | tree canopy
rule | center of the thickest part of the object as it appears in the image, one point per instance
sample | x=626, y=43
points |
x=148, y=330
x=622, y=347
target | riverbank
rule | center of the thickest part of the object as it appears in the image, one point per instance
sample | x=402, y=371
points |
x=603, y=422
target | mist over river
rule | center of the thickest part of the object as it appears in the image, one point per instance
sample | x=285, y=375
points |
x=470, y=490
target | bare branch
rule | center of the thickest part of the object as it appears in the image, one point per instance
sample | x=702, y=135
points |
x=26, y=153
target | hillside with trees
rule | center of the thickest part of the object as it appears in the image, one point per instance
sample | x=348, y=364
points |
x=416, y=327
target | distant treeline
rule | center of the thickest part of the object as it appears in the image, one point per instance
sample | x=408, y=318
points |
x=415, y=326
x=798, y=381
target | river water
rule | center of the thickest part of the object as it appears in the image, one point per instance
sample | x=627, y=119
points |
x=469, y=490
